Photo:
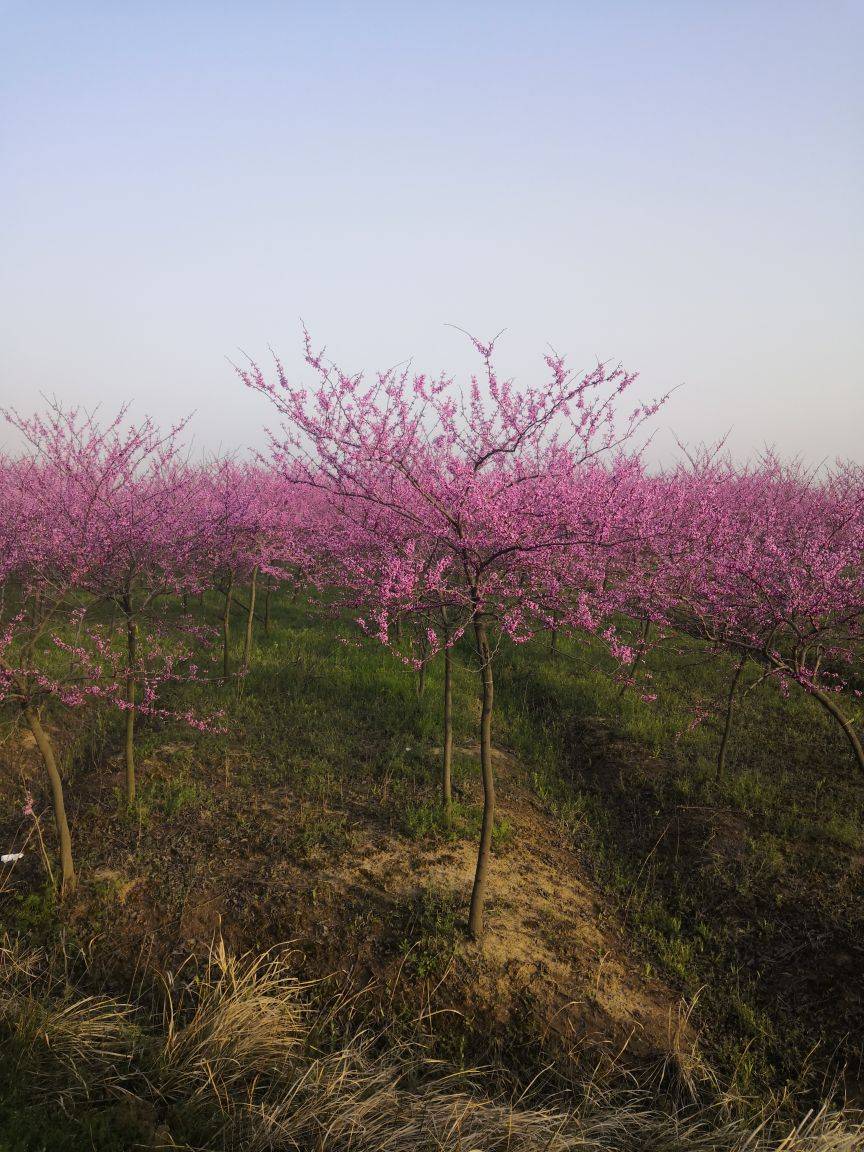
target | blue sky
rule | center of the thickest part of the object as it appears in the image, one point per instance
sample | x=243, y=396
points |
x=675, y=185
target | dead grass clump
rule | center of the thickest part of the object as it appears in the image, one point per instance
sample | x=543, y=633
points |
x=239, y=1054
x=228, y=1025
x=59, y=1037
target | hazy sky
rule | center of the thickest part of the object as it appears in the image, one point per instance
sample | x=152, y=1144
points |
x=676, y=185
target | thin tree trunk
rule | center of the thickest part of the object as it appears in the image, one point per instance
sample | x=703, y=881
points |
x=846, y=724
x=478, y=894
x=640, y=651
x=730, y=708
x=250, y=621
x=553, y=642
x=131, y=656
x=446, y=769
x=226, y=630
x=267, y=594
x=421, y=671
x=64, y=839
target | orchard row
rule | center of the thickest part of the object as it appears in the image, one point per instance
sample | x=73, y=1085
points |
x=427, y=513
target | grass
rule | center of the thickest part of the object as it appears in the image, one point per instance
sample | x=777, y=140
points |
x=720, y=880
x=433, y=929
x=742, y=892
x=238, y=1052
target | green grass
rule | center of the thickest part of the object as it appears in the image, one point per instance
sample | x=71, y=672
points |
x=616, y=771
x=432, y=931
x=717, y=880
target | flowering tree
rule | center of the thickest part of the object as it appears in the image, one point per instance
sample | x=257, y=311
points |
x=38, y=569
x=123, y=499
x=384, y=573
x=95, y=522
x=772, y=570
x=233, y=507
x=283, y=538
x=473, y=478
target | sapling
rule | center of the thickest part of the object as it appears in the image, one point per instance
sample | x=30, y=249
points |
x=467, y=478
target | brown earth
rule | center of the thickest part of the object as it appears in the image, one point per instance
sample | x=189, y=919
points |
x=554, y=965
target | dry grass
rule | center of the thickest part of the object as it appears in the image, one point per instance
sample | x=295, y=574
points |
x=60, y=1037
x=239, y=1020
x=248, y=1057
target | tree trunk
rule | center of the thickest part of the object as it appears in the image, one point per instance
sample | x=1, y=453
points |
x=640, y=651
x=730, y=708
x=250, y=620
x=64, y=839
x=553, y=642
x=446, y=769
x=226, y=630
x=846, y=724
x=478, y=894
x=421, y=671
x=131, y=656
x=267, y=593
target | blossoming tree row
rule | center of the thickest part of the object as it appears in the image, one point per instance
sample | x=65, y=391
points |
x=466, y=515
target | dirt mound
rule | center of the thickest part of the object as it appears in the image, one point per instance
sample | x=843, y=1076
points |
x=554, y=954
x=549, y=938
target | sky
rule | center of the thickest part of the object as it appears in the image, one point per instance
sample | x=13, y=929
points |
x=675, y=185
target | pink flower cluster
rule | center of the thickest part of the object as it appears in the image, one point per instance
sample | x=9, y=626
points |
x=408, y=498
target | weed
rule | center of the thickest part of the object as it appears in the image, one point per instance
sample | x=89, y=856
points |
x=432, y=931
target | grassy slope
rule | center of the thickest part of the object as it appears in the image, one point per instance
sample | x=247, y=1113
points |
x=747, y=890
x=744, y=893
